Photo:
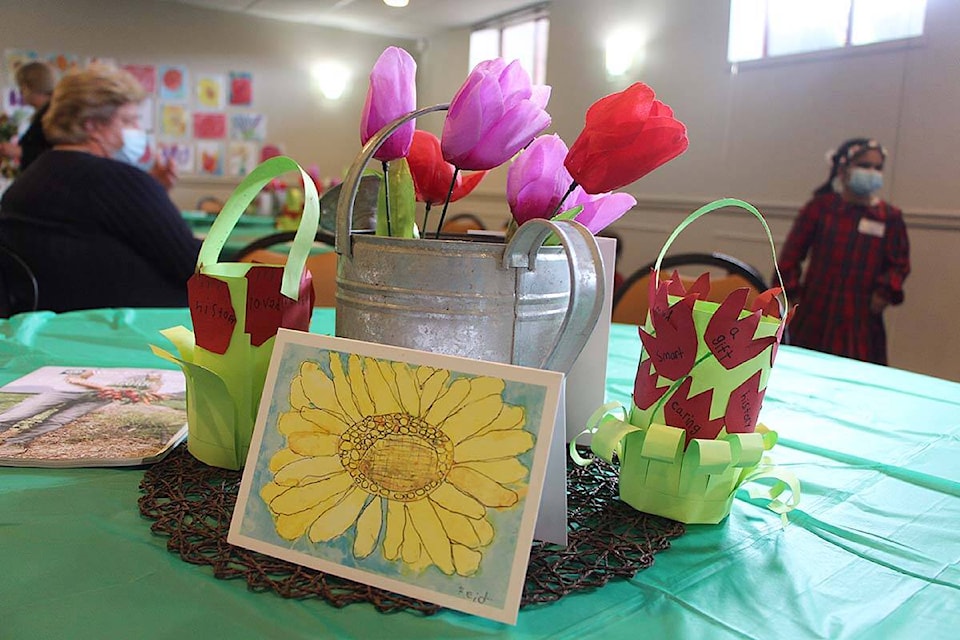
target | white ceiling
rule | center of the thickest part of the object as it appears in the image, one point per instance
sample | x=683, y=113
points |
x=419, y=19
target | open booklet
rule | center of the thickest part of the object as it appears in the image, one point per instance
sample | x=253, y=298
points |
x=91, y=417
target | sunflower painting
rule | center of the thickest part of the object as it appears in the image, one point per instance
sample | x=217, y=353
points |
x=412, y=472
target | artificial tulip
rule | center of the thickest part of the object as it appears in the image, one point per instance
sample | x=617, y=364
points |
x=602, y=209
x=493, y=115
x=626, y=136
x=537, y=180
x=432, y=174
x=392, y=93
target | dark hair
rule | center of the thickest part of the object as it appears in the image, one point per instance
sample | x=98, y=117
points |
x=844, y=155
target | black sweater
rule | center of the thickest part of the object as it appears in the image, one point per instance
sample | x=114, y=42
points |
x=97, y=233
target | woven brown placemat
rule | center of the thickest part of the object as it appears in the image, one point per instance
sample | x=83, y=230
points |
x=192, y=503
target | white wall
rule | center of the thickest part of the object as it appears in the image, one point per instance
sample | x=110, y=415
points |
x=759, y=135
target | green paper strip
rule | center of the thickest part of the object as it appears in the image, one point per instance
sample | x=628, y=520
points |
x=708, y=456
x=720, y=204
x=662, y=443
x=604, y=443
x=237, y=203
x=785, y=480
x=746, y=449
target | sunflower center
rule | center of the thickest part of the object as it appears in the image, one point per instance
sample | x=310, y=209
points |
x=396, y=456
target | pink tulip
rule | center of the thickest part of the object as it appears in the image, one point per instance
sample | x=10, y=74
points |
x=493, y=115
x=600, y=210
x=392, y=93
x=537, y=180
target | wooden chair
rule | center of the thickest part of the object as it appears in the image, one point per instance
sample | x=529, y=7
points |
x=18, y=285
x=463, y=223
x=630, y=304
x=322, y=266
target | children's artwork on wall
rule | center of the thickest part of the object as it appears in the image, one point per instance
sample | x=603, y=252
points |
x=210, y=158
x=173, y=120
x=13, y=102
x=248, y=126
x=14, y=58
x=415, y=472
x=109, y=62
x=180, y=153
x=242, y=157
x=172, y=82
x=241, y=89
x=146, y=74
x=64, y=62
x=210, y=90
x=210, y=126
x=147, y=115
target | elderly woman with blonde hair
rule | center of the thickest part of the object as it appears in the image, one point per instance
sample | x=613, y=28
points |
x=96, y=230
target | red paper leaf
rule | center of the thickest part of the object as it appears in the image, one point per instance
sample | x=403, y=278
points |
x=699, y=289
x=743, y=407
x=673, y=347
x=645, y=389
x=731, y=339
x=268, y=309
x=767, y=302
x=692, y=414
x=212, y=312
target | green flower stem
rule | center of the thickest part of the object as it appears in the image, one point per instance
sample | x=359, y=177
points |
x=386, y=194
x=446, y=202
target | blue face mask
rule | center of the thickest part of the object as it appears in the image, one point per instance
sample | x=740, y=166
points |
x=865, y=182
x=134, y=146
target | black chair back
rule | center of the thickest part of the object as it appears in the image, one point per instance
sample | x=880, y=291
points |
x=18, y=285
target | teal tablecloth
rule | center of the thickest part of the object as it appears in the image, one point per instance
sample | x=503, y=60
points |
x=872, y=551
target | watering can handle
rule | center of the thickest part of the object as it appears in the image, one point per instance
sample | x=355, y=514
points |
x=237, y=203
x=586, y=282
x=351, y=184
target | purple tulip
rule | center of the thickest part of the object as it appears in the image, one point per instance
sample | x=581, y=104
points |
x=537, y=179
x=392, y=93
x=600, y=210
x=494, y=114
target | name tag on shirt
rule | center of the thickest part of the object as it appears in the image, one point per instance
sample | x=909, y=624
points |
x=871, y=227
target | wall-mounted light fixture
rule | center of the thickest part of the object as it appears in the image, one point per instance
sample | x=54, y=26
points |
x=331, y=78
x=396, y=3
x=623, y=49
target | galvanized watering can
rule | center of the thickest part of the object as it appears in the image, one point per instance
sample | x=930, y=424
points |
x=516, y=302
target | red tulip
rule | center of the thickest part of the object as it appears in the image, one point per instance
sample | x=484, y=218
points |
x=673, y=346
x=645, y=389
x=626, y=136
x=743, y=407
x=731, y=338
x=692, y=414
x=432, y=174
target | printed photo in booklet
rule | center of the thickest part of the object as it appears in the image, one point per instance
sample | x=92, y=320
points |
x=91, y=417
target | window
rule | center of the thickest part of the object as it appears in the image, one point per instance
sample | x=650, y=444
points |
x=770, y=28
x=518, y=36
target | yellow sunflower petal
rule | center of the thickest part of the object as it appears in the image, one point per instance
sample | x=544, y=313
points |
x=483, y=387
x=432, y=383
x=452, y=499
x=317, y=387
x=472, y=418
x=481, y=487
x=410, y=549
x=467, y=561
x=408, y=388
x=368, y=529
x=494, y=445
x=448, y=402
x=433, y=536
x=381, y=393
x=271, y=490
x=458, y=527
x=298, y=398
x=503, y=471
x=292, y=526
x=282, y=458
x=313, y=444
x=358, y=384
x=303, y=496
x=327, y=421
x=393, y=537
x=294, y=422
x=484, y=530
x=511, y=417
x=338, y=518
x=343, y=390
x=308, y=470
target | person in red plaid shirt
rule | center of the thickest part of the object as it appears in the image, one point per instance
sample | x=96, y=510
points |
x=859, y=257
